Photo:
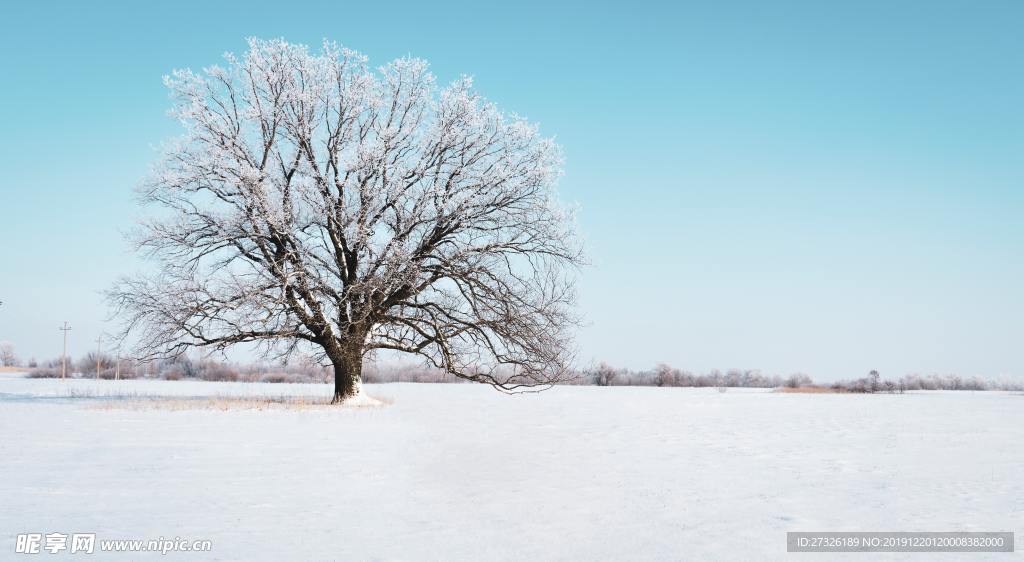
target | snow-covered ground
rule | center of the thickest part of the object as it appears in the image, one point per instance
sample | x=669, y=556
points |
x=461, y=472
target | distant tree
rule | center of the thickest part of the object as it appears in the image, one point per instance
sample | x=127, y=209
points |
x=798, y=380
x=604, y=375
x=87, y=364
x=665, y=375
x=315, y=201
x=7, y=356
x=874, y=381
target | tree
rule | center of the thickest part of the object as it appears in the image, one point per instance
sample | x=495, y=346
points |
x=7, y=356
x=798, y=380
x=604, y=375
x=664, y=375
x=874, y=381
x=87, y=365
x=313, y=202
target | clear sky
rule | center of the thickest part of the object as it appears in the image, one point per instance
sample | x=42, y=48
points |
x=810, y=186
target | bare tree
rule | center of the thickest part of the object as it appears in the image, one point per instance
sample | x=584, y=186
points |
x=798, y=380
x=604, y=375
x=314, y=202
x=7, y=356
x=95, y=364
x=874, y=381
x=665, y=375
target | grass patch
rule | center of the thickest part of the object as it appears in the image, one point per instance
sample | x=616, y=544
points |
x=810, y=390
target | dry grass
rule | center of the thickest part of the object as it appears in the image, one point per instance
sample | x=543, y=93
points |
x=810, y=390
x=13, y=370
x=225, y=403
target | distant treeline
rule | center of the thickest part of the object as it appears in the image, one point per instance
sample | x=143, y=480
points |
x=601, y=375
x=185, y=368
x=665, y=375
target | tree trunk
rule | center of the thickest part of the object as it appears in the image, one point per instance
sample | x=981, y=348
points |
x=348, y=370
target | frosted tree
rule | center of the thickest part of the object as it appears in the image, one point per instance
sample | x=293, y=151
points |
x=7, y=356
x=315, y=202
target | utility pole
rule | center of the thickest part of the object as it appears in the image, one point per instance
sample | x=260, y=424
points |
x=99, y=344
x=64, y=356
x=117, y=365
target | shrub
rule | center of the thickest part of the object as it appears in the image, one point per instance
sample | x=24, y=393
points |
x=276, y=378
x=219, y=373
x=45, y=373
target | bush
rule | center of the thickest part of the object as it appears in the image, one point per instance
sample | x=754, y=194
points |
x=219, y=373
x=281, y=377
x=44, y=373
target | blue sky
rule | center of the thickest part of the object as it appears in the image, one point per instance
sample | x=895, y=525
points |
x=789, y=186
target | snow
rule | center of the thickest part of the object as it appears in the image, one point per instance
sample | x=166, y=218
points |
x=461, y=472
